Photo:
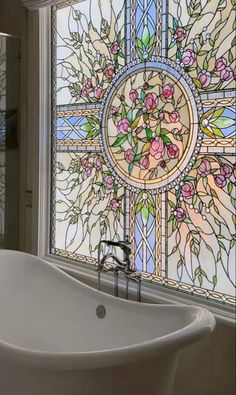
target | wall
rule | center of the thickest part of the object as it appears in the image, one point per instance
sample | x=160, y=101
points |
x=208, y=366
x=14, y=20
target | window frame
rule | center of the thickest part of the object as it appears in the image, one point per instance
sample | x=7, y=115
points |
x=86, y=273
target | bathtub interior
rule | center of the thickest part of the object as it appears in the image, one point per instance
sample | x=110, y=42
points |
x=44, y=309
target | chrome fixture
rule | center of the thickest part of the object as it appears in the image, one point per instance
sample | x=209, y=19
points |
x=119, y=266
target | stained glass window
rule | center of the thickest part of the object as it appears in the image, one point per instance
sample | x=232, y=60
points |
x=144, y=138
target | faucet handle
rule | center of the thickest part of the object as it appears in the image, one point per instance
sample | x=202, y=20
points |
x=137, y=276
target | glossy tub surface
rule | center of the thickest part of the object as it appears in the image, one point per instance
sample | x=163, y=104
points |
x=53, y=343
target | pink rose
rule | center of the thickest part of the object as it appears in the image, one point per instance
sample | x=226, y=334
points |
x=108, y=180
x=144, y=162
x=98, y=91
x=129, y=156
x=188, y=57
x=115, y=48
x=109, y=71
x=151, y=101
x=172, y=151
x=88, y=83
x=220, y=180
x=123, y=126
x=174, y=117
x=133, y=94
x=84, y=92
x=84, y=163
x=205, y=78
x=180, y=214
x=221, y=63
x=163, y=164
x=188, y=190
x=114, y=204
x=180, y=34
x=168, y=91
x=161, y=116
x=88, y=170
x=157, y=148
x=226, y=170
x=226, y=74
x=145, y=85
x=204, y=168
x=113, y=110
x=97, y=163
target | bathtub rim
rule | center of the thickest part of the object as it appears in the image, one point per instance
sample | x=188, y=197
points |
x=202, y=324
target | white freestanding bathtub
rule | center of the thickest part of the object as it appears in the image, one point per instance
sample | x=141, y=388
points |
x=53, y=343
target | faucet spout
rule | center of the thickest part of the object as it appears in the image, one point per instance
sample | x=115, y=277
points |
x=119, y=265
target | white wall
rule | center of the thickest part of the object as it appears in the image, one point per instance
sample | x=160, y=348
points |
x=15, y=20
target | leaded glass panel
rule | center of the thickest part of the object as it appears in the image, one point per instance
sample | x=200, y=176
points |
x=144, y=138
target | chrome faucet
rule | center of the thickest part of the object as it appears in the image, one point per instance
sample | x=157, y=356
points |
x=123, y=266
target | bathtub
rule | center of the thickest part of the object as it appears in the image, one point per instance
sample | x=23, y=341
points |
x=56, y=340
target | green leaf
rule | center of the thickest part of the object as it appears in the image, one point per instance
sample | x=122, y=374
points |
x=146, y=148
x=139, y=43
x=201, y=53
x=222, y=245
x=138, y=207
x=175, y=24
x=200, y=279
x=230, y=187
x=145, y=214
x=86, y=127
x=135, y=122
x=213, y=193
x=171, y=204
x=145, y=36
x=123, y=111
x=214, y=280
x=232, y=243
x=166, y=139
x=152, y=40
x=130, y=168
x=129, y=115
x=137, y=157
x=209, y=247
x=119, y=141
x=197, y=83
x=197, y=164
x=205, y=181
x=230, y=57
x=224, y=122
x=212, y=43
x=205, y=64
x=174, y=224
x=142, y=95
x=187, y=221
x=149, y=133
x=217, y=113
x=217, y=132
